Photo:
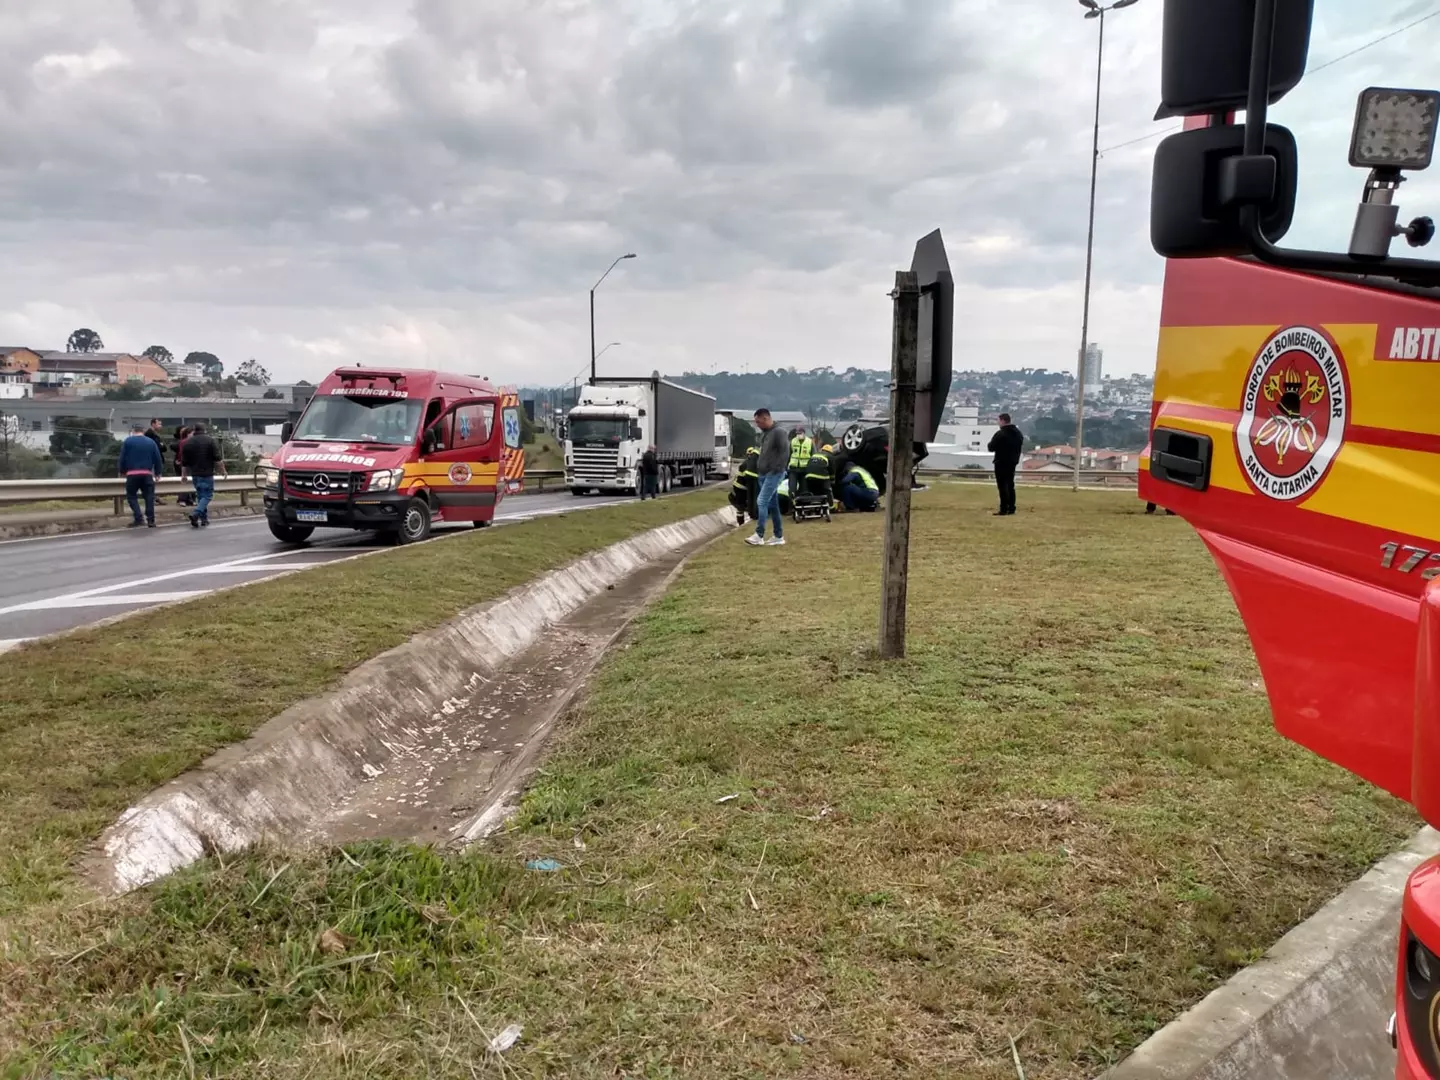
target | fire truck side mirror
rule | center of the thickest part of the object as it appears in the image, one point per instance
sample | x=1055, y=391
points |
x=1205, y=54
x=1197, y=188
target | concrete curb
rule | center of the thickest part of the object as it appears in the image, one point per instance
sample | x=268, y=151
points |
x=302, y=763
x=101, y=522
x=1315, y=1005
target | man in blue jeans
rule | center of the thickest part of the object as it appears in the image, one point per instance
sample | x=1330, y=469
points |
x=199, y=458
x=141, y=464
x=774, y=460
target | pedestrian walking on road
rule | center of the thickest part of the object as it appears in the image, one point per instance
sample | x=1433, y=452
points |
x=772, y=464
x=649, y=474
x=200, y=458
x=185, y=498
x=156, y=434
x=1006, y=445
x=141, y=464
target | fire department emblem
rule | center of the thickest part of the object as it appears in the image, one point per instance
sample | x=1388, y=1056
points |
x=460, y=473
x=1293, y=414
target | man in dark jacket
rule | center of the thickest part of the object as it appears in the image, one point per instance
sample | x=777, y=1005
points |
x=649, y=474
x=1006, y=445
x=157, y=435
x=200, y=457
x=774, y=460
x=141, y=464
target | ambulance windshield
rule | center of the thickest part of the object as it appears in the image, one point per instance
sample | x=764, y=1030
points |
x=338, y=418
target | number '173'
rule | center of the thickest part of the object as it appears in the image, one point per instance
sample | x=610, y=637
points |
x=1412, y=557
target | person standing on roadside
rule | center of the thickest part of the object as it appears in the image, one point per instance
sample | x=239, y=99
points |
x=199, y=459
x=1006, y=445
x=649, y=474
x=771, y=465
x=141, y=465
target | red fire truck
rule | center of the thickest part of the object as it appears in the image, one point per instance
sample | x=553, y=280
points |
x=1296, y=422
x=395, y=450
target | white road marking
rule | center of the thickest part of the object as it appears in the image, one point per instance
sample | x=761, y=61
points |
x=109, y=600
x=268, y=568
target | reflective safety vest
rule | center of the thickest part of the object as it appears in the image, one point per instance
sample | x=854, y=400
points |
x=865, y=477
x=801, y=447
x=818, y=465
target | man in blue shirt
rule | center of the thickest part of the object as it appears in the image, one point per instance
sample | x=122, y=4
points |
x=141, y=464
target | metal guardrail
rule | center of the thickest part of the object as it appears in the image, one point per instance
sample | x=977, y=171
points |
x=91, y=488
x=31, y=491
x=1088, y=477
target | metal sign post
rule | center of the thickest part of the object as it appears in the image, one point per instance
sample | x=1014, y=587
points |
x=904, y=365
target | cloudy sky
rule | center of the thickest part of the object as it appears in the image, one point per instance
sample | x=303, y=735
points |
x=311, y=182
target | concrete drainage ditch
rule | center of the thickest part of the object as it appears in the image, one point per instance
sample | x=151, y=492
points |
x=430, y=741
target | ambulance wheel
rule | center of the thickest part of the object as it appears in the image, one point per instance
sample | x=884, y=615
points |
x=414, y=523
x=481, y=524
x=290, y=534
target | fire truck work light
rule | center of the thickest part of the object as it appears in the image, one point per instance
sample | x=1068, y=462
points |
x=1394, y=129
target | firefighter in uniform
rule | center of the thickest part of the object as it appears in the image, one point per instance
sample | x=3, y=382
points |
x=801, y=447
x=746, y=487
x=858, y=491
x=816, y=480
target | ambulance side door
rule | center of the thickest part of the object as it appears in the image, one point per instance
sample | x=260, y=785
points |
x=462, y=459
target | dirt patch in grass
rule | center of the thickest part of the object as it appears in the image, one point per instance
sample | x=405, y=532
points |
x=1062, y=819
x=90, y=721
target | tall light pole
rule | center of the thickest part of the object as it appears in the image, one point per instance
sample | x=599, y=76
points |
x=1093, y=10
x=603, y=276
x=602, y=352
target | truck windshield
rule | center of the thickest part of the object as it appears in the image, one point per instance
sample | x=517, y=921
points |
x=336, y=418
x=593, y=429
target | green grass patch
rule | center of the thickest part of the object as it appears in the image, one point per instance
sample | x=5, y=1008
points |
x=1063, y=818
x=91, y=721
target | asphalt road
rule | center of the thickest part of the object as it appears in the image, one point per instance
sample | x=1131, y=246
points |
x=50, y=584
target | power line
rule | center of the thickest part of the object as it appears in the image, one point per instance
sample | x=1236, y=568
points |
x=1312, y=71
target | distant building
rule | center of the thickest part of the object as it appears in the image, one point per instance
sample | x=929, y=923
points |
x=1094, y=368
x=60, y=370
x=965, y=433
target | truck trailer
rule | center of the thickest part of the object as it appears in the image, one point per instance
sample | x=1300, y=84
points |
x=616, y=419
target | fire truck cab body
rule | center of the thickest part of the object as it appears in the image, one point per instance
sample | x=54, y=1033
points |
x=1296, y=427
x=395, y=450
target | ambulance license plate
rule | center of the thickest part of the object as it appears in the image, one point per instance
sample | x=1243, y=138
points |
x=312, y=515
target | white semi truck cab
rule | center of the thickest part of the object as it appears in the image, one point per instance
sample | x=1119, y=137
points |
x=615, y=420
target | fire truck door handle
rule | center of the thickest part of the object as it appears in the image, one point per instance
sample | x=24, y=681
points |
x=1180, y=457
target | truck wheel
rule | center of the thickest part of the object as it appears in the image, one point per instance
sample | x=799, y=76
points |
x=290, y=534
x=579, y=491
x=414, y=523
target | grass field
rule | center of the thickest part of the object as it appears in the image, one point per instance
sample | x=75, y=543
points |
x=90, y=721
x=1061, y=820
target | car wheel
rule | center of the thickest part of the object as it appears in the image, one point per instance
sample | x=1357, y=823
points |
x=290, y=534
x=853, y=438
x=414, y=522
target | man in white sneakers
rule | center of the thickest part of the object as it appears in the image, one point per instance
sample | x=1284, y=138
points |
x=774, y=460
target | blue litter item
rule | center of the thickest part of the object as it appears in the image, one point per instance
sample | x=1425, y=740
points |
x=542, y=864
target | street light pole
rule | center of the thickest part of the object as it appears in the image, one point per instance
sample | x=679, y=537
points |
x=1093, y=11
x=603, y=276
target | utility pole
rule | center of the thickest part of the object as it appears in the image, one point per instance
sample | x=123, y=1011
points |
x=904, y=367
x=618, y=260
x=1093, y=10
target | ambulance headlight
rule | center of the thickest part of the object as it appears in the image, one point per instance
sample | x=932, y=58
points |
x=268, y=476
x=385, y=479
x=1394, y=129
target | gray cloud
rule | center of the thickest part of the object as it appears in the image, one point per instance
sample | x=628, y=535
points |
x=348, y=179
